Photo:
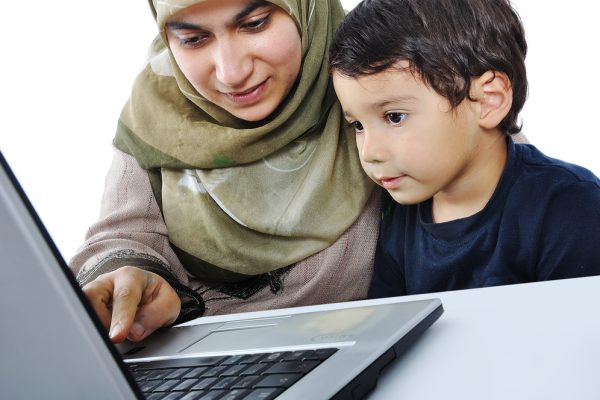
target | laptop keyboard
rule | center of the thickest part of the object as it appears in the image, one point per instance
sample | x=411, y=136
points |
x=261, y=376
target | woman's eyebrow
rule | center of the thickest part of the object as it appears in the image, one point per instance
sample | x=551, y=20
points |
x=250, y=7
x=253, y=5
x=181, y=25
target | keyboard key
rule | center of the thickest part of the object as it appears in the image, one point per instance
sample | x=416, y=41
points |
x=293, y=355
x=252, y=358
x=263, y=394
x=182, y=362
x=195, y=372
x=234, y=370
x=320, y=354
x=246, y=382
x=224, y=382
x=292, y=367
x=255, y=369
x=272, y=357
x=212, y=395
x=148, y=386
x=177, y=373
x=235, y=394
x=204, y=384
x=170, y=396
x=141, y=375
x=279, y=380
x=161, y=396
x=231, y=360
x=165, y=386
x=154, y=396
x=192, y=396
x=185, y=384
x=214, y=371
x=158, y=374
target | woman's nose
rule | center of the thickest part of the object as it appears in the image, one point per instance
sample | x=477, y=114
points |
x=233, y=63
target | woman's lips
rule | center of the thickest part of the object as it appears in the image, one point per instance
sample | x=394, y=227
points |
x=249, y=96
x=391, y=183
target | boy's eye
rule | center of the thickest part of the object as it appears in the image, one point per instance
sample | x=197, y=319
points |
x=357, y=126
x=395, y=118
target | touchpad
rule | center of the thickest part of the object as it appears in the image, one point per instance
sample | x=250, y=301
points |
x=244, y=335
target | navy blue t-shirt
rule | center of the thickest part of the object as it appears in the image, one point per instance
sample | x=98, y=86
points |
x=542, y=223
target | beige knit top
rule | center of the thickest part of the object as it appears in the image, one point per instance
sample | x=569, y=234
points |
x=131, y=224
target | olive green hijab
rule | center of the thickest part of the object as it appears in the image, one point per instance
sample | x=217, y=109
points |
x=242, y=198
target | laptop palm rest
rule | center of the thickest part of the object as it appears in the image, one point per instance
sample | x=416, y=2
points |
x=341, y=327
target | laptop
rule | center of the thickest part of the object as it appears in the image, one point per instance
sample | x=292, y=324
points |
x=52, y=345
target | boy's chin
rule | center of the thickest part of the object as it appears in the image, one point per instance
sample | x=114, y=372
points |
x=406, y=199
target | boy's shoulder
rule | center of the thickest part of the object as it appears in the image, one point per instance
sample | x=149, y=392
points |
x=535, y=165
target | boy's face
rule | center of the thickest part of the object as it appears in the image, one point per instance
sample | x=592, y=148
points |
x=409, y=139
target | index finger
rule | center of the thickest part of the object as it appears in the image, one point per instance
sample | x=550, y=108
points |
x=126, y=299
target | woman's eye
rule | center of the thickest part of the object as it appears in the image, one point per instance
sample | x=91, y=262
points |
x=257, y=24
x=192, y=41
x=357, y=126
x=395, y=118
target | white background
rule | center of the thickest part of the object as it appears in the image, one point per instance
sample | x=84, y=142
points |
x=67, y=67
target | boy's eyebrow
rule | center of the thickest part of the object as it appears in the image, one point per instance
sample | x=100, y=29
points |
x=249, y=8
x=400, y=99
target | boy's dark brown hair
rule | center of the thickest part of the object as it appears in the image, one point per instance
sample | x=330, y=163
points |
x=446, y=42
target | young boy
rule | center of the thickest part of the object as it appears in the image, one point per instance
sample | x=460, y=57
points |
x=433, y=89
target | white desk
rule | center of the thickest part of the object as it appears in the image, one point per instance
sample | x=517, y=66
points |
x=531, y=341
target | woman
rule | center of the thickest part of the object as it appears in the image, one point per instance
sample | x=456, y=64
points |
x=235, y=184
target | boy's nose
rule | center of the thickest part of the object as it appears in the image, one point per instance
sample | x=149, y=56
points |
x=233, y=65
x=372, y=147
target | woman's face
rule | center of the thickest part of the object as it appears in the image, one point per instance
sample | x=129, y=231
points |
x=242, y=55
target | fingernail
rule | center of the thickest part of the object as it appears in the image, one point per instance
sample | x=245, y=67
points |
x=137, y=329
x=114, y=329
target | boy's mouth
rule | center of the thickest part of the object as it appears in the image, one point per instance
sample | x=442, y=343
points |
x=390, y=182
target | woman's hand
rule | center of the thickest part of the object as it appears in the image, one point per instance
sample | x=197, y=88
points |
x=133, y=302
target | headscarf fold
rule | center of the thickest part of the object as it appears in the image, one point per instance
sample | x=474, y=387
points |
x=244, y=198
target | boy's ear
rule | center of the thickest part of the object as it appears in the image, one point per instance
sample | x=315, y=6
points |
x=493, y=92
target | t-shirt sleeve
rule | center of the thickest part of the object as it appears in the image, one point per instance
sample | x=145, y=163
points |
x=570, y=237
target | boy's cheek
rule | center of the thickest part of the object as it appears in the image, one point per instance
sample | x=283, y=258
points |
x=364, y=165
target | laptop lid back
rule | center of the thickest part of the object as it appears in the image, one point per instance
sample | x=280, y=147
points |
x=50, y=346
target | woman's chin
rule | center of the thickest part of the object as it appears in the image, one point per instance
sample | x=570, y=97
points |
x=255, y=113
